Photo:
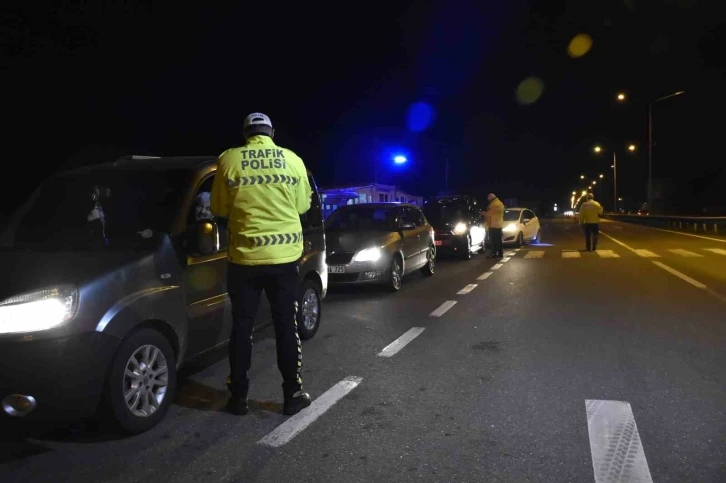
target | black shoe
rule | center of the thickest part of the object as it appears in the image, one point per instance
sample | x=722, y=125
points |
x=238, y=406
x=295, y=404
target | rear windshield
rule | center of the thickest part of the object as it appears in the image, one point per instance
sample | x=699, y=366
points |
x=362, y=218
x=104, y=209
x=445, y=212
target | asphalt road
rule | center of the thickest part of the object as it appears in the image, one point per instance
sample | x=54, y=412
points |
x=495, y=389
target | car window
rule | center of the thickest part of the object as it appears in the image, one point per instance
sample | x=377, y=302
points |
x=362, y=218
x=313, y=218
x=408, y=216
x=528, y=215
x=419, y=216
x=512, y=215
x=201, y=211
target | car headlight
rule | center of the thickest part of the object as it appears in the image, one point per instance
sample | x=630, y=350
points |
x=40, y=310
x=368, y=255
x=510, y=228
x=459, y=229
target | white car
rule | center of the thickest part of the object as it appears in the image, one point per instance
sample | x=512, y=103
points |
x=521, y=226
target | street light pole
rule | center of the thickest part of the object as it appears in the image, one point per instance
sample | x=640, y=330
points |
x=615, y=182
x=650, y=144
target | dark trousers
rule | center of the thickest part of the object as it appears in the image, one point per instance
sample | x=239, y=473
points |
x=592, y=230
x=495, y=236
x=245, y=285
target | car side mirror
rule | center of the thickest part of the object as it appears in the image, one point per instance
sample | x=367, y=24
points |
x=207, y=237
x=407, y=226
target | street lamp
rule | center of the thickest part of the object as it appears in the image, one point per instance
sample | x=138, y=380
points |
x=597, y=149
x=631, y=148
x=602, y=176
x=650, y=144
x=582, y=176
x=621, y=96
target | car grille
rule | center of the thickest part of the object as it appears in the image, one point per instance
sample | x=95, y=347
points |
x=339, y=258
x=343, y=277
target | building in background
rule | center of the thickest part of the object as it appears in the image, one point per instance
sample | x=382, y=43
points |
x=333, y=198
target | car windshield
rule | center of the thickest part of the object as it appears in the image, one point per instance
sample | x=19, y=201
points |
x=512, y=215
x=444, y=211
x=99, y=209
x=362, y=218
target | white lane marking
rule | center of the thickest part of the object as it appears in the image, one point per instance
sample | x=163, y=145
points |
x=618, y=241
x=645, y=253
x=484, y=276
x=497, y=266
x=685, y=253
x=617, y=452
x=680, y=275
x=295, y=424
x=466, y=289
x=675, y=272
x=398, y=344
x=443, y=308
x=607, y=254
x=506, y=259
x=535, y=254
x=717, y=251
x=511, y=254
x=572, y=254
x=688, y=234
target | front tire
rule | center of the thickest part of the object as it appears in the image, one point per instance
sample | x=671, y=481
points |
x=309, y=311
x=430, y=268
x=142, y=381
x=520, y=240
x=395, y=275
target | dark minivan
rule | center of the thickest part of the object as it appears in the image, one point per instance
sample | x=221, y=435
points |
x=458, y=224
x=115, y=274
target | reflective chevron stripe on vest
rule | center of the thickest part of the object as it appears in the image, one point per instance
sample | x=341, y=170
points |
x=269, y=240
x=266, y=179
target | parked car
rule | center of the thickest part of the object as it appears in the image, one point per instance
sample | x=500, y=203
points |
x=118, y=277
x=458, y=224
x=378, y=243
x=521, y=226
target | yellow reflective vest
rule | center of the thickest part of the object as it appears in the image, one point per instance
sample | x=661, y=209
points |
x=590, y=212
x=262, y=189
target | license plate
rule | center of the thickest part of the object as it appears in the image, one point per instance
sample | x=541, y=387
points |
x=438, y=243
x=336, y=269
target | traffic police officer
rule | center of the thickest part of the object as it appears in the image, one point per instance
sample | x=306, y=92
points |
x=590, y=213
x=495, y=223
x=262, y=189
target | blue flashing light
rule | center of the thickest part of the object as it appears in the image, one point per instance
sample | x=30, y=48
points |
x=399, y=159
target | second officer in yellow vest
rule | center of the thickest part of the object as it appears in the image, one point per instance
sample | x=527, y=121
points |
x=262, y=189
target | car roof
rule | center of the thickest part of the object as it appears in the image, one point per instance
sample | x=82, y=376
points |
x=392, y=204
x=147, y=163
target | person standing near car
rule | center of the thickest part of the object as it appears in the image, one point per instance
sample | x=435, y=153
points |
x=590, y=213
x=494, y=215
x=262, y=189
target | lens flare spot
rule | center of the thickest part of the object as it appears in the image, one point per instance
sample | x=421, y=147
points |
x=529, y=90
x=420, y=116
x=579, y=46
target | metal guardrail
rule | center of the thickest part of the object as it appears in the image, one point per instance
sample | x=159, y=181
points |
x=715, y=225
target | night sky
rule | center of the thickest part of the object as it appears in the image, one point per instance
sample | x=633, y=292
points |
x=85, y=81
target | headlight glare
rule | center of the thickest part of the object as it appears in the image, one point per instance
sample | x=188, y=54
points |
x=510, y=228
x=368, y=255
x=39, y=310
x=459, y=229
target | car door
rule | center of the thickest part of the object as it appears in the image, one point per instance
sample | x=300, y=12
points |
x=205, y=280
x=411, y=240
x=529, y=222
x=423, y=230
x=476, y=229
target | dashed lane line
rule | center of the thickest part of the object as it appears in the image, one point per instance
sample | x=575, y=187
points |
x=466, y=289
x=645, y=253
x=617, y=451
x=297, y=423
x=506, y=259
x=497, y=266
x=443, y=308
x=392, y=349
x=680, y=275
x=717, y=251
x=607, y=254
x=685, y=253
x=484, y=276
x=571, y=254
x=535, y=254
